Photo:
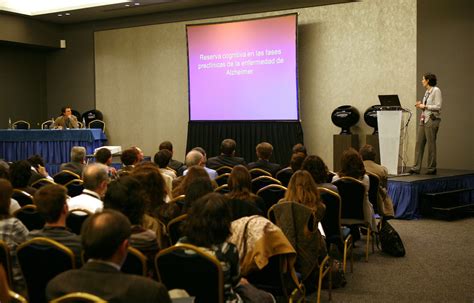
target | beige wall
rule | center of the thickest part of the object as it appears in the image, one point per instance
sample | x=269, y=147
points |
x=348, y=54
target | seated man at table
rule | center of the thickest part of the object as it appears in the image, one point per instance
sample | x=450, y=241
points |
x=66, y=120
x=78, y=158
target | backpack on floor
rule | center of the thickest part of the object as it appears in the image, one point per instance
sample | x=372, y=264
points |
x=390, y=240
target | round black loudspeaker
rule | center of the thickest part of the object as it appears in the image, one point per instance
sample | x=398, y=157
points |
x=344, y=117
x=370, y=117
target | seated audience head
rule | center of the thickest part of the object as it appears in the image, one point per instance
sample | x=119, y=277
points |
x=139, y=153
x=264, y=150
x=20, y=174
x=6, y=191
x=303, y=189
x=96, y=178
x=228, y=147
x=367, y=152
x=126, y=196
x=296, y=161
x=194, y=172
x=351, y=164
x=198, y=188
x=203, y=152
x=36, y=160
x=209, y=221
x=240, y=180
x=129, y=157
x=194, y=158
x=105, y=235
x=152, y=182
x=162, y=158
x=51, y=203
x=104, y=156
x=166, y=145
x=78, y=154
x=299, y=148
x=316, y=167
x=431, y=78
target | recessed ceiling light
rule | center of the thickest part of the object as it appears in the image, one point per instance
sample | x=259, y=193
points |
x=137, y=3
x=68, y=14
x=60, y=15
x=127, y=5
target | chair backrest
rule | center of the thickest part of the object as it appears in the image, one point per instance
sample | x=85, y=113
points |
x=262, y=181
x=257, y=172
x=74, y=187
x=222, y=179
x=41, y=259
x=47, y=124
x=42, y=182
x=271, y=194
x=6, y=261
x=224, y=169
x=22, y=197
x=80, y=124
x=78, y=297
x=284, y=175
x=30, y=217
x=135, y=263
x=75, y=218
x=352, y=193
x=97, y=124
x=188, y=267
x=223, y=189
x=65, y=176
x=174, y=228
x=329, y=177
x=331, y=221
x=91, y=115
x=374, y=190
x=21, y=124
x=76, y=113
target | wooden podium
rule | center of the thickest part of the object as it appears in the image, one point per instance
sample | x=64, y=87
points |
x=341, y=143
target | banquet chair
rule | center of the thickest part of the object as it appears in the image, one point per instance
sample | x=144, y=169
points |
x=41, y=259
x=331, y=222
x=75, y=218
x=224, y=169
x=91, y=115
x=179, y=200
x=374, y=191
x=76, y=113
x=135, y=263
x=223, y=189
x=78, y=297
x=257, y=172
x=42, y=182
x=64, y=176
x=30, y=217
x=222, y=179
x=188, y=267
x=352, y=193
x=284, y=175
x=74, y=187
x=174, y=228
x=21, y=124
x=80, y=124
x=97, y=124
x=271, y=194
x=47, y=124
x=15, y=297
x=5, y=260
x=22, y=197
x=262, y=181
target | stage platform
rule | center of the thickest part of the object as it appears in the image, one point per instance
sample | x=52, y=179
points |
x=407, y=191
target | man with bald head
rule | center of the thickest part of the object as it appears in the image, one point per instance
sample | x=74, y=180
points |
x=96, y=179
x=197, y=157
x=227, y=156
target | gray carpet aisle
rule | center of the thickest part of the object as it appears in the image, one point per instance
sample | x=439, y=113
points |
x=438, y=266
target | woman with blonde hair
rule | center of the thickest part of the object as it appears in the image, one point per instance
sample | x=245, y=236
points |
x=303, y=189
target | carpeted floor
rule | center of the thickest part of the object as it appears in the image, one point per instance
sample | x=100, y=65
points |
x=438, y=266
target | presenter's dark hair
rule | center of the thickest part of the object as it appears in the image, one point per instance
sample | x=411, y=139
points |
x=367, y=152
x=103, y=233
x=209, y=221
x=431, y=78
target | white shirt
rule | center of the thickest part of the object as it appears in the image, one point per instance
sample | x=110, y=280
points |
x=88, y=200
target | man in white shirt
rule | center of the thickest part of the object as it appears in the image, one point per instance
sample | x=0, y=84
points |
x=96, y=179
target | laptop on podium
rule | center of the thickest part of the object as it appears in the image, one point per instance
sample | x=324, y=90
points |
x=390, y=102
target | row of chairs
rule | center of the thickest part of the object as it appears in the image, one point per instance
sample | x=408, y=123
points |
x=22, y=124
x=283, y=175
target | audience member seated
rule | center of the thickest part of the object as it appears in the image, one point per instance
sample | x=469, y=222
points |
x=104, y=156
x=127, y=196
x=227, y=156
x=353, y=166
x=299, y=149
x=264, y=152
x=66, y=120
x=384, y=202
x=197, y=158
x=129, y=159
x=20, y=174
x=197, y=188
x=140, y=155
x=51, y=203
x=296, y=161
x=4, y=174
x=319, y=171
x=12, y=232
x=96, y=179
x=174, y=164
x=192, y=174
x=38, y=170
x=105, y=238
x=208, y=227
x=241, y=199
x=78, y=160
x=162, y=158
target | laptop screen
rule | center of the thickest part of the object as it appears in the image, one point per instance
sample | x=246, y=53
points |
x=389, y=100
